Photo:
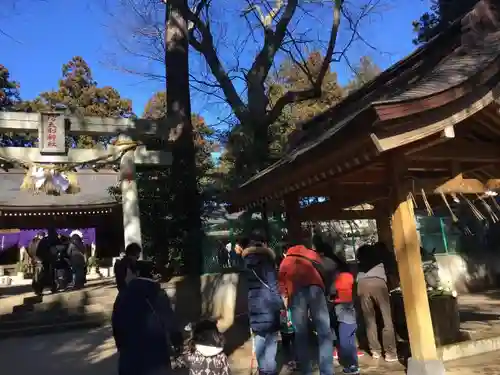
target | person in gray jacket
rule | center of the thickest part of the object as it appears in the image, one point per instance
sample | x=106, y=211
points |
x=374, y=295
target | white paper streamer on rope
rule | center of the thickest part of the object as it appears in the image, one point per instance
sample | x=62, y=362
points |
x=40, y=176
x=60, y=180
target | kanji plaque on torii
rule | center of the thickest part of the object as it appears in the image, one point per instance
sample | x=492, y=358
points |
x=52, y=133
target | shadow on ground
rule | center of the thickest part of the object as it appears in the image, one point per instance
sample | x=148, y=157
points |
x=76, y=353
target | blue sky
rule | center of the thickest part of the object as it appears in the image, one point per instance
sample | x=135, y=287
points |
x=48, y=33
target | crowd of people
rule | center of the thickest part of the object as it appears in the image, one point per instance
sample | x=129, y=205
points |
x=316, y=291
x=306, y=292
x=59, y=261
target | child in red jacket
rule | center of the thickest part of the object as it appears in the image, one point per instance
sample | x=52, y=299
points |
x=346, y=319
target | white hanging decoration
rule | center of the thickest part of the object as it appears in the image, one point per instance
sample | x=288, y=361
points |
x=39, y=177
x=60, y=180
x=49, y=180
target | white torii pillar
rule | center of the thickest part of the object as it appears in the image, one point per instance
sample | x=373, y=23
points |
x=130, y=197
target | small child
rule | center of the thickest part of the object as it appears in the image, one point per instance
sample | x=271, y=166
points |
x=287, y=338
x=346, y=318
x=206, y=351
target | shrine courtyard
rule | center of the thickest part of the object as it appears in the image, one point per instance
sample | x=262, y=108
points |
x=423, y=134
x=93, y=353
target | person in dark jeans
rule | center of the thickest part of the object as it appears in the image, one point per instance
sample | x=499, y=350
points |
x=304, y=286
x=345, y=313
x=374, y=295
x=264, y=301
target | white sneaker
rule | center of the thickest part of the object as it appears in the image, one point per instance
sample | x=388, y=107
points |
x=391, y=358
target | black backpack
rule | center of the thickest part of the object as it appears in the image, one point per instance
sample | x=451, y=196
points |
x=327, y=279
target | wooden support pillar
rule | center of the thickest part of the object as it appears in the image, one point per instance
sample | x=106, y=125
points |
x=383, y=218
x=293, y=223
x=424, y=358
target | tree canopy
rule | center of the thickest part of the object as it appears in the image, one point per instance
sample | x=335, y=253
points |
x=79, y=93
x=439, y=16
x=9, y=90
x=273, y=32
x=161, y=191
x=364, y=72
x=156, y=108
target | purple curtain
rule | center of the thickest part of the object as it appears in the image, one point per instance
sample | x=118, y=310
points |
x=7, y=240
x=23, y=237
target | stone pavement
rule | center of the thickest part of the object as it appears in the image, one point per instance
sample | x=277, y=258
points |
x=93, y=353
x=480, y=313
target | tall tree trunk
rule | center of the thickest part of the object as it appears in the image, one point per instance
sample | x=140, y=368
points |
x=187, y=200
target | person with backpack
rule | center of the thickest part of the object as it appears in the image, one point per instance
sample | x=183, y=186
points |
x=144, y=325
x=305, y=283
x=264, y=301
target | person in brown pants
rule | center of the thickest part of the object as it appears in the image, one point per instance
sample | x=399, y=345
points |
x=374, y=294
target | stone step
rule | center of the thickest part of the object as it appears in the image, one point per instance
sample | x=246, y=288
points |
x=35, y=317
x=77, y=322
x=53, y=320
x=63, y=304
x=64, y=300
x=104, y=288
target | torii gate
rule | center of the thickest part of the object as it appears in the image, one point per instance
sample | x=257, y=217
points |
x=52, y=129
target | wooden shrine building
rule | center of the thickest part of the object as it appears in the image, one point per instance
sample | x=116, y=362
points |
x=92, y=207
x=428, y=127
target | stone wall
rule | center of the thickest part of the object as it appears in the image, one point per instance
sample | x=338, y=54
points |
x=221, y=296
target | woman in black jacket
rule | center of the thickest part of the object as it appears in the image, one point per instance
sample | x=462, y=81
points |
x=76, y=254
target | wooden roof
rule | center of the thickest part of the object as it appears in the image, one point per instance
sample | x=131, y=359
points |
x=446, y=81
x=94, y=193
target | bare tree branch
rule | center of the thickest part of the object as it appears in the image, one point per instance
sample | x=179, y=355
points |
x=263, y=61
x=207, y=48
x=315, y=91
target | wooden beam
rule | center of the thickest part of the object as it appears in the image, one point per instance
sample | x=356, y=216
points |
x=413, y=286
x=29, y=122
x=315, y=212
x=79, y=156
x=338, y=203
x=349, y=192
x=460, y=150
x=458, y=184
x=437, y=126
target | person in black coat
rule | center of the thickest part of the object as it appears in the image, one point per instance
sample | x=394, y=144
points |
x=76, y=254
x=144, y=325
x=126, y=266
x=45, y=257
